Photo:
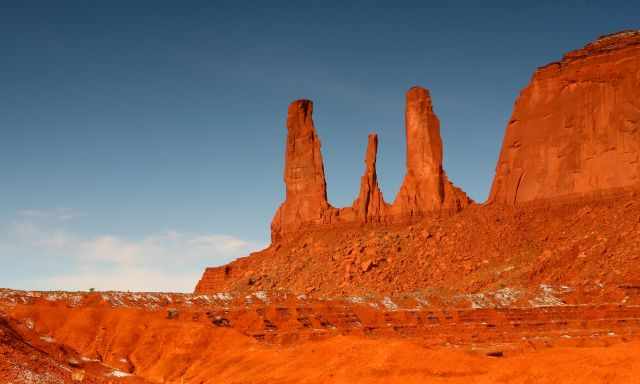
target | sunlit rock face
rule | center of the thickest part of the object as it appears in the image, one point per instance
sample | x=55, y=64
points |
x=370, y=205
x=425, y=187
x=575, y=127
x=306, y=188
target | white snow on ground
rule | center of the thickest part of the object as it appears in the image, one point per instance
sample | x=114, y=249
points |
x=356, y=299
x=389, y=304
x=547, y=297
x=262, y=295
x=223, y=296
x=117, y=373
x=506, y=296
x=47, y=339
x=478, y=300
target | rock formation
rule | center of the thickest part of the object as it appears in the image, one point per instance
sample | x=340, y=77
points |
x=425, y=188
x=422, y=186
x=370, y=205
x=574, y=133
x=306, y=189
x=575, y=129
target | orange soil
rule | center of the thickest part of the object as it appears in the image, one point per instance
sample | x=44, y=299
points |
x=133, y=333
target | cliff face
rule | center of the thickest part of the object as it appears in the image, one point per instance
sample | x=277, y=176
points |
x=425, y=188
x=575, y=127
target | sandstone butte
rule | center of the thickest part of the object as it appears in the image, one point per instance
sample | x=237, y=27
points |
x=574, y=129
x=573, y=138
x=539, y=284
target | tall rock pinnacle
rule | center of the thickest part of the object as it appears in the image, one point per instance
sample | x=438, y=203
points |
x=306, y=189
x=370, y=205
x=425, y=186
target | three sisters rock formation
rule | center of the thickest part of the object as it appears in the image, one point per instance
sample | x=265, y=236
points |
x=425, y=187
x=574, y=132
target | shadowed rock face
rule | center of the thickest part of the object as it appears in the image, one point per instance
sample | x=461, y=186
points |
x=425, y=188
x=575, y=128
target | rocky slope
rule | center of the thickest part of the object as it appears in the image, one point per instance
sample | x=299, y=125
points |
x=584, y=245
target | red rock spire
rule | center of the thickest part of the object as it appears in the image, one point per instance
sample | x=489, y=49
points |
x=306, y=190
x=370, y=205
x=425, y=186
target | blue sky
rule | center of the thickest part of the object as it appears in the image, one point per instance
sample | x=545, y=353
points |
x=142, y=141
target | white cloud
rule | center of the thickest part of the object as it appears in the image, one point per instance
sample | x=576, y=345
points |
x=163, y=261
x=60, y=214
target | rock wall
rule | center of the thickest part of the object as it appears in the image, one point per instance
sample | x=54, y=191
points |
x=575, y=127
x=425, y=189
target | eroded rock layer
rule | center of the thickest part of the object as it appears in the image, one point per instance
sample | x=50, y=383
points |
x=276, y=337
x=575, y=128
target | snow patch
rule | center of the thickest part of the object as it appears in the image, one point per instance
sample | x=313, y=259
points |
x=262, y=295
x=506, y=296
x=478, y=300
x=47, y=339
x=389, y=304
x=118, y=373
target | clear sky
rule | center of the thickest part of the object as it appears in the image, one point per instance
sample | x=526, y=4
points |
x=143, y=140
